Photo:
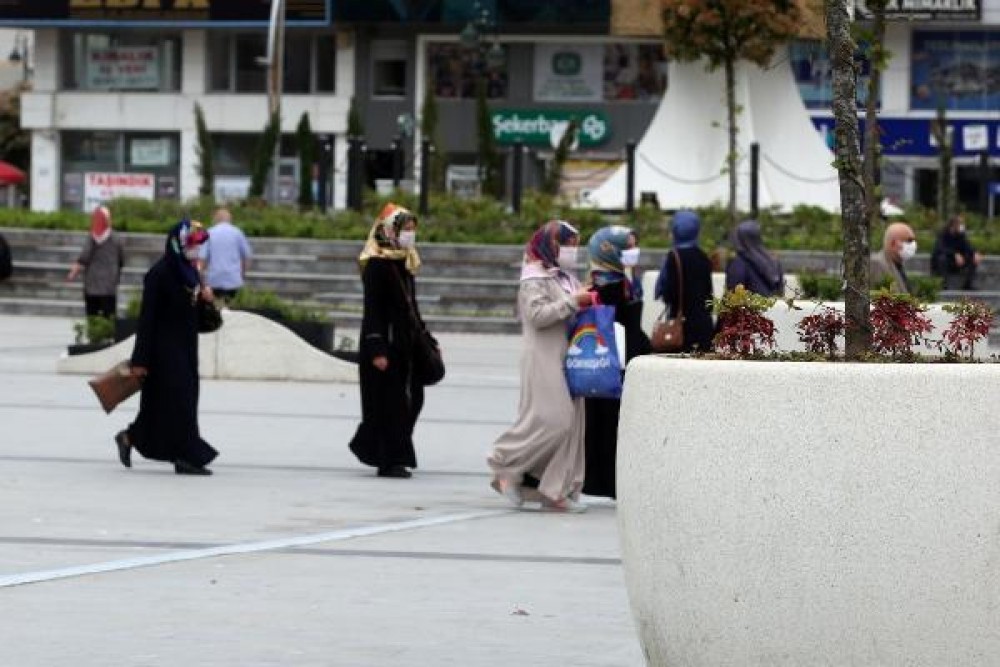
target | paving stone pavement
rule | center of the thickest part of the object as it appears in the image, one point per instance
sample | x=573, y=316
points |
x=292, y=554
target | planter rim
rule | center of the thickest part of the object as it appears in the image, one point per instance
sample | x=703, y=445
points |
x=794, y=365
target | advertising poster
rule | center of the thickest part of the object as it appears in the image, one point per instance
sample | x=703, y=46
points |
x=150, y=152
x=634, y=72
x=568, y=73
x=454, y=71
x=810, y=65
x=959, y=68
x=101, y=187
x=123, y=68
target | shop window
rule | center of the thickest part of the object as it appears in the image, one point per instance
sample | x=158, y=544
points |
x=813, y=74
x=128, y=61
x=389, y=64
x=235, y=63
x=634, y=72
x=959, y=69
x=454, y=70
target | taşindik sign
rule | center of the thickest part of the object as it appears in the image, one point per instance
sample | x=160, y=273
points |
x=101, y=187
x=123, y=68
x=569, y=73
x=926, y=10
x=174, y=13
x=544, y=127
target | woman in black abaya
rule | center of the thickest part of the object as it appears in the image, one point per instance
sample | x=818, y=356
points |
x=391, y=397
x=614, y=254
x=166, y=355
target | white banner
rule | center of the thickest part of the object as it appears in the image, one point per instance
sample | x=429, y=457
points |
x=100, y=188
x=123, y=68
x=150, y=152
x=569, y=72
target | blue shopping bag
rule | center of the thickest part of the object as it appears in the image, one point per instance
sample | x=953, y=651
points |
x=593, y=369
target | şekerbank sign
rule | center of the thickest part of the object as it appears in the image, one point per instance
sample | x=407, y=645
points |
x=544, y=127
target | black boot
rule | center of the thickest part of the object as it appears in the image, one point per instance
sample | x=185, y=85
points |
x=397, y=471
x=124, y=448
x=182, y=467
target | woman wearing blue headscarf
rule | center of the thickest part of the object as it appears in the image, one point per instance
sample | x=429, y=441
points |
x=753, y=266
x=614, y=255
x=695, y=272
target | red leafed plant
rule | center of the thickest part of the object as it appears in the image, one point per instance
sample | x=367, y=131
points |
x=898, y=323
x=744, y=330
x=971, y=323
x=819, y=331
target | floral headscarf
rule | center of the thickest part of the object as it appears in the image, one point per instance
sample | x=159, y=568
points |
x=383, y=239
x=605, y=250
x=544, y=244
x=185, y=235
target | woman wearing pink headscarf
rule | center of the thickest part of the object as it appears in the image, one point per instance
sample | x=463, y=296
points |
x=101, y=262
x=541, y=457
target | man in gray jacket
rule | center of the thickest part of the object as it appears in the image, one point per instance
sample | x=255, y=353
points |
x=898, y=245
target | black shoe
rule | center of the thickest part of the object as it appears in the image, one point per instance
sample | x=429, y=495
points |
x=399, y=472
x=124, y=448
x=184, y=468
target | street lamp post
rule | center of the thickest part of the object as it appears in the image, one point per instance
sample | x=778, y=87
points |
x=274, y=61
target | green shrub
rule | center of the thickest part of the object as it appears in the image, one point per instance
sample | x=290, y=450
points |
x=251, y=299
x=94, y=330
x=926, y=289
x=820, y=286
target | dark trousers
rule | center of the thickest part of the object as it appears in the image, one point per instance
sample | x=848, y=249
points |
x=967, y=273
x=100, y=306
x=225, y=294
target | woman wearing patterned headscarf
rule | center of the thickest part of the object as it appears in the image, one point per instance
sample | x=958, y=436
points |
x=166, y=355
x=545, y=444
x=614, y=254
x=101, y=262
x=753, y=266
x=695, y=274
x=391, y=396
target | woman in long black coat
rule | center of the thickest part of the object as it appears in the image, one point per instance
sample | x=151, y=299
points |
x=166, y=355
x=391, y=396
x=696, y=277
x=614, y=252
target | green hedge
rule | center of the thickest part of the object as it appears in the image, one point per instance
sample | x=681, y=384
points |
x=489, y=221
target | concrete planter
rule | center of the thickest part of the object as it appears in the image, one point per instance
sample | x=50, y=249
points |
x=793, y=514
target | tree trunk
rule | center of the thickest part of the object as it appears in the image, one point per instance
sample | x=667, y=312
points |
x=873, y=138
x=733, y=130
x=852, y=191
x=939, y=130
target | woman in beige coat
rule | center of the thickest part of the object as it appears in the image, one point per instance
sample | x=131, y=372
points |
x=546, y=441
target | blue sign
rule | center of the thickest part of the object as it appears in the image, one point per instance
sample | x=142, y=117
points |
x=911, y=137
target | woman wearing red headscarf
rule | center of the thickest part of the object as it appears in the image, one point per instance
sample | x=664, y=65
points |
x=101, y=262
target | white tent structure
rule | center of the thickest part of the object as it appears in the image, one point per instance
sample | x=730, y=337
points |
x=683, y=153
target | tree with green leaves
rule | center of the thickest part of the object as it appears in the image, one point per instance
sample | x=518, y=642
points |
x=553, y=178
x=489, y=158
x=205, y=153
x=264, y=157
x=429, y=130
x=723, y=32
x=306, y=141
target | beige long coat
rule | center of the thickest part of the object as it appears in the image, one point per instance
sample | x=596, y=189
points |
x=547, y=440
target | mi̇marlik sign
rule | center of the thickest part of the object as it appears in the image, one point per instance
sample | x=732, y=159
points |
x=926, y=10
x=543, y=127
x=176, y=13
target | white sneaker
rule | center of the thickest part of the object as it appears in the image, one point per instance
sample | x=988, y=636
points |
x=567, y=505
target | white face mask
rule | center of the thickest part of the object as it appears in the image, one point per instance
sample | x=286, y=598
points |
x=407, y=238
x=907, y=250
x=630, y=257
x=567, y=256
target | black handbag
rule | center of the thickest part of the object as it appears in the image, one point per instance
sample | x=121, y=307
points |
x=428, y=365
x=209, y=317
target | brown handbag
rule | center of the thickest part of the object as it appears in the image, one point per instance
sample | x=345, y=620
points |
x=115, y=386
x=668, y=333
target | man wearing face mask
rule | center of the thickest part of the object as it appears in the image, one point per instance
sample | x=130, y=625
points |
x=899, y=245
x=953, y=255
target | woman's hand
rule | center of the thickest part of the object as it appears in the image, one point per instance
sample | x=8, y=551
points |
x=139, y=371
x=207, y=294
x=381, y=363
x=584, y=298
